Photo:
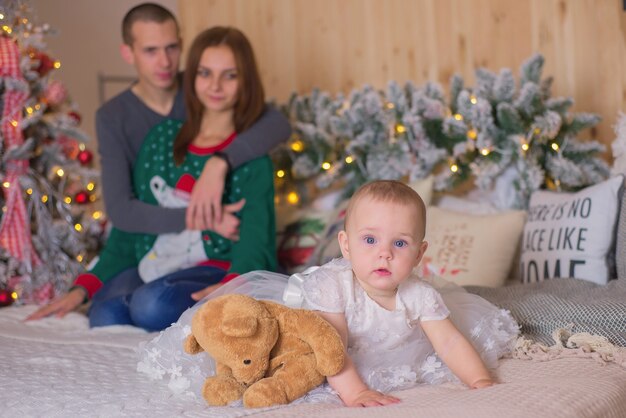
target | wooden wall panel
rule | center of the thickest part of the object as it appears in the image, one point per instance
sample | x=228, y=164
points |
x=338, y=45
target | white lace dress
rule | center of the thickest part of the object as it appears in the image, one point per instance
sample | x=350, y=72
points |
x=389, y=348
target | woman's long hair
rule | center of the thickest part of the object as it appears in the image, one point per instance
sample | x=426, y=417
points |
x=250, y=101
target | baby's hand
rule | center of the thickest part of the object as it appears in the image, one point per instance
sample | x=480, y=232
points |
x=482, y=383
x=372, y=398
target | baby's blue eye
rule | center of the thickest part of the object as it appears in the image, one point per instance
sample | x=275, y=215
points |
x=370, y=240
x=400, y=243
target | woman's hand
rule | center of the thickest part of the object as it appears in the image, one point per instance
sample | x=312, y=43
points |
x=228, y=227
x=61, y=306
x=202, y=293
x=482, y=383
x=205, y=206
x=371, y=398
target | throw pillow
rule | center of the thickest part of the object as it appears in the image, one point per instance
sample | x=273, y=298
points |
x=571, y=234
x=470, y=249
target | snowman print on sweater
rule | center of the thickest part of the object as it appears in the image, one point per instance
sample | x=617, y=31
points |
x=173, y=251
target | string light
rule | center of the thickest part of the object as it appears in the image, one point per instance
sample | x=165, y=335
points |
x=458, y=116
x=349, y=159
x=14, y=123
x=400, y=128
x=44, y=199
x=6, y=184
x=60, y=172
x=473, y=99
x=57, y=64
x=472, y=134
x=554, y=146
x=29, y=191
x=91, y=186
x=92, y=198
x=293, y=198
x=7, y=29
x=67, y=200
x=1, y=16
x=389, y=105
x=454, y=168
x=78, y=227
x=326, y=165
x=81, y=146
x=280, y=174
x=29, y=110
x=297, y=146
x=485, y=151
x=96, y=215
x=525, y=146
x=79, y=258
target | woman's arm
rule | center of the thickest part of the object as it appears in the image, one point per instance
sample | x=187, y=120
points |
x=457, y=352
x=348, y=384
x=205, y=206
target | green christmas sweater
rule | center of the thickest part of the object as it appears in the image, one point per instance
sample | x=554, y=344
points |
x=157, y=180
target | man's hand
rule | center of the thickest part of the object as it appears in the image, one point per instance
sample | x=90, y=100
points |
x=370, y=397
x=205, y=206
x=61, y=306
x=202, y=293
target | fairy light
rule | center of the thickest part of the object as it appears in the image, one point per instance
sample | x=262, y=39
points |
x=554, y=146
x=525, y=146
x=44, y=198
x=79, y=258
x=472, y=134
x=14, y=295
x=536, y=131
x=280, y=174
x=454, y=168
x=389, y=105
x=349, y=159
x=57, y=64
x=78, y=227
x=1, y=16
x=458, y=116
x=92, y=198
x=96, y=215
x=6, y=184
x=14, y=123
x=7, y=29
x=400, y=128
x=293, y=198
x=485, y=151
x=326, y=165
x=473, y=99
x=91, y=186
x=297, y=146
x=81, y=146
x=60, y=172
x=29, y=191
x=29, y=110
x=67, y=200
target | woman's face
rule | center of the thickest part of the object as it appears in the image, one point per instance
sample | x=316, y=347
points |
x=217, y=79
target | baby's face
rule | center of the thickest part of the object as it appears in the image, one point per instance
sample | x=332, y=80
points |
x=383, y=241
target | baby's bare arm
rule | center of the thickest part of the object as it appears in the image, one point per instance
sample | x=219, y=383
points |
x=352, y=390
x=458, y=353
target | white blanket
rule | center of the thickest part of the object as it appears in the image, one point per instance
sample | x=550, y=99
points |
x=61, y=368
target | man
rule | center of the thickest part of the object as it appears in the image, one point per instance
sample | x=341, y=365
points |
x=152, y=45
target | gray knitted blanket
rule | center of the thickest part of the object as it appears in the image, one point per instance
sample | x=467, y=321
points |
x=542, y=307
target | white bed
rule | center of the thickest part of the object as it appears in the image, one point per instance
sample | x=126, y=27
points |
x=60, y=368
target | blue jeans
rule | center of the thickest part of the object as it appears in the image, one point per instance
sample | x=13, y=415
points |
x=153, y=306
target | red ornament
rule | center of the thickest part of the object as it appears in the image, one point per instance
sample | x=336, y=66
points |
x=85, y=157
x=81, y=198
x=45, y=63
x=6, y=297
x=75, y=116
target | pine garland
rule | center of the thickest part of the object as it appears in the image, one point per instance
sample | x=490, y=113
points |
x=410, y=132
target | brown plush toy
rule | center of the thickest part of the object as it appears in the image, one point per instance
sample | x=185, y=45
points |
x=265, y=352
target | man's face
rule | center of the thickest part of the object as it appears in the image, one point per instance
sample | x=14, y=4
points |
x=155, y=53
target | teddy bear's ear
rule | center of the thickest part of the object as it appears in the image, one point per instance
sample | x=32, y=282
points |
x=191, y=345
x=241, y=326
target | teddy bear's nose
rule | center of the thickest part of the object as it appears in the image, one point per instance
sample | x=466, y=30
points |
x=247, y=361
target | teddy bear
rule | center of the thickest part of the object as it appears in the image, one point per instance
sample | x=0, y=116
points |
x=265, y=352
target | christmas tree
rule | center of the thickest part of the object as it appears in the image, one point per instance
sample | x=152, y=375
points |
x=509, y=139
x=48, y=226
